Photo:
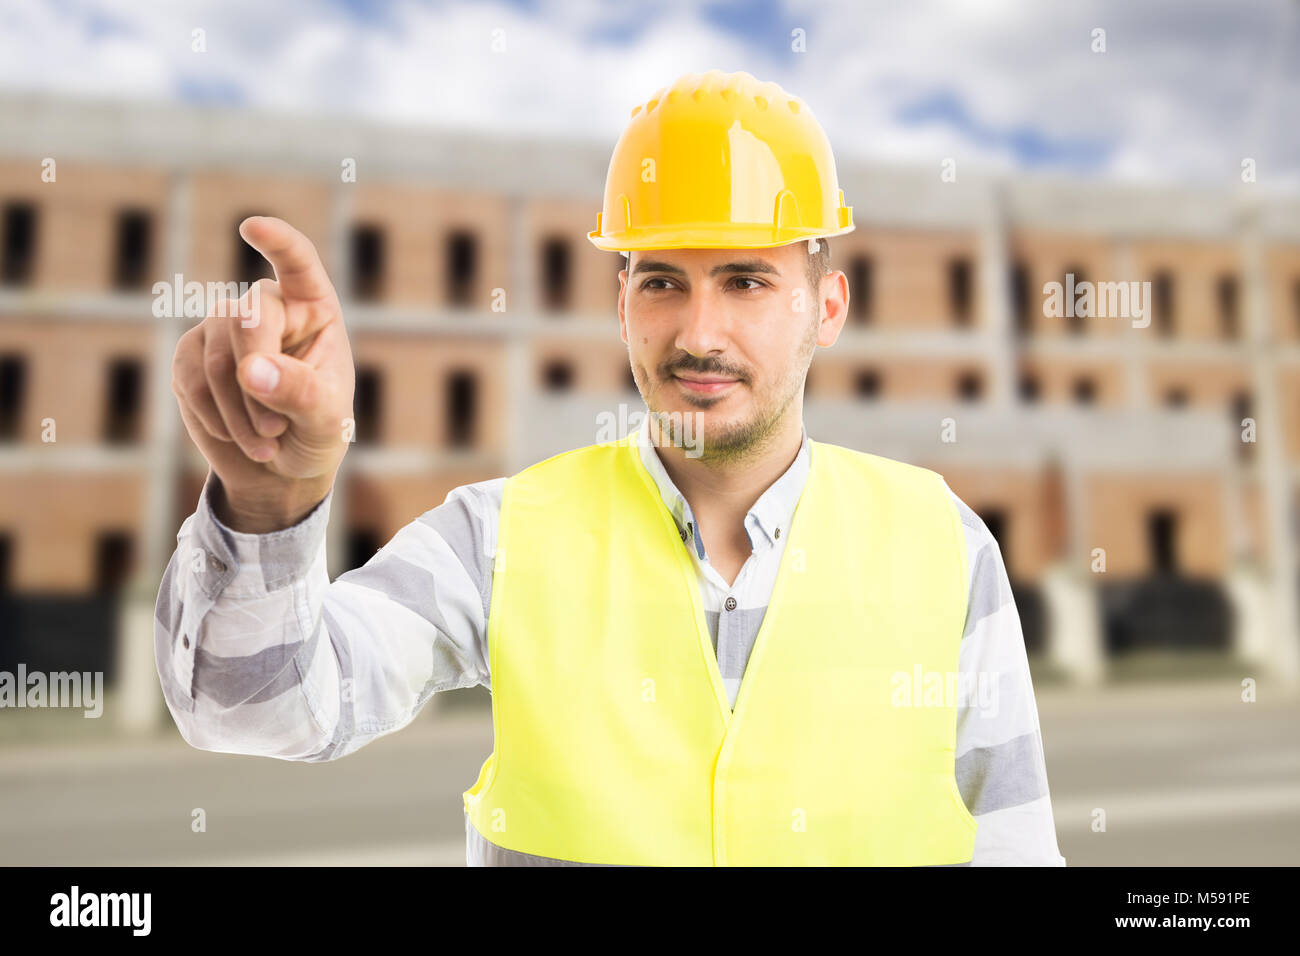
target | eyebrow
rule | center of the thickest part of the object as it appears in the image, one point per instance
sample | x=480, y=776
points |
x=739, y=265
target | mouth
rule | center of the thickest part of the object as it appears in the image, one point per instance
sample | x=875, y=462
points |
x=705, y=384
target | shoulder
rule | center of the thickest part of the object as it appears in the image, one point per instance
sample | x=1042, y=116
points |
x=572, y=460
x=916, y=483
x=467, y=520
x=988, y=589
x=866, y=460
x=471, y=513
x=970, y=520
x=977, y=534
x=479, y=497
x=571, y=480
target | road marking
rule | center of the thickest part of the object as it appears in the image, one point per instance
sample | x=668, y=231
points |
x=1174, y=806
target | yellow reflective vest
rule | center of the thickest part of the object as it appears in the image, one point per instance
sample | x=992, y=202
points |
x=613, y=738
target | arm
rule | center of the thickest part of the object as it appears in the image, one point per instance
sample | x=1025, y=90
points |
x=1001, y=772
x=258, y=653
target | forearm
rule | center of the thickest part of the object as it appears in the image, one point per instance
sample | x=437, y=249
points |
x=260, y=654
x=236, y=631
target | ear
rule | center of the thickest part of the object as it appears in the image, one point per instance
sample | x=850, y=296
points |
x=835, y=307
x=622, y=298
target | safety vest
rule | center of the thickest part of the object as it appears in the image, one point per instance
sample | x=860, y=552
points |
x=614, y=741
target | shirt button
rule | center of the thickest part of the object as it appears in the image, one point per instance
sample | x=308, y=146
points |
x=185, y=642
x=778, y=532
x=731, y=604
x=216, y=563
x=683, y=533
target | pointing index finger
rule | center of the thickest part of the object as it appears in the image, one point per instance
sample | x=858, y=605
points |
x=298, y=268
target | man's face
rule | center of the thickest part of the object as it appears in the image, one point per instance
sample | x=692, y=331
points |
x=724, y=337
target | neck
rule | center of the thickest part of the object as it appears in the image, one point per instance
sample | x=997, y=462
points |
x=735, y=483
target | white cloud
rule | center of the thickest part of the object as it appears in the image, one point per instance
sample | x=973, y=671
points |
x=1183, y=91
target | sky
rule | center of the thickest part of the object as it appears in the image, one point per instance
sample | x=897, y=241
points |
x=1182, y=93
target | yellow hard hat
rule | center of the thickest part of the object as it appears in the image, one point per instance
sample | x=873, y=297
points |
x=720, y=160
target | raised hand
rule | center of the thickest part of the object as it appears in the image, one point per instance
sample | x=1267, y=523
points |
x=265, y=386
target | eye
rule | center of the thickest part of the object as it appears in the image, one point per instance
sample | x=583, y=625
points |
x=646, y=283
x=758, y=283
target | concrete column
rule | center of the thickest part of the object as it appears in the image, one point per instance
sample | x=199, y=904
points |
x=340, y=258
x=999, y=333
x=1074, y=620
x=138, y=698
x=1277, y=482
x=1136, y=341
x=1254, y=613
x=1070, y=589
x=521, y=310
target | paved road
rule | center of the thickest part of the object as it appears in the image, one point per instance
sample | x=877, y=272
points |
x=397, y=800
x=1186, y=775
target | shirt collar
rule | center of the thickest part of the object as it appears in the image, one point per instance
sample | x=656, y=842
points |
x=765, y=523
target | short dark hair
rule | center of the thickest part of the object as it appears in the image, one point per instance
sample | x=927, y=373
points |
x=819, y=263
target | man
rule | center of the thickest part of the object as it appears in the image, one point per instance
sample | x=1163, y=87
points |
x=714, y=641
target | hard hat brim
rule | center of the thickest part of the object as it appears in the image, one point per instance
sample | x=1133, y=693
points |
x=729, y=236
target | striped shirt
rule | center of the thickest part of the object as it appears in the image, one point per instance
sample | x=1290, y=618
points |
x=259, y=653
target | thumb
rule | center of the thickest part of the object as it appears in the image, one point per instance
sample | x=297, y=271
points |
x=282, y=383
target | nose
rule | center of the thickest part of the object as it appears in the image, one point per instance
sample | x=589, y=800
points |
x=704, y=326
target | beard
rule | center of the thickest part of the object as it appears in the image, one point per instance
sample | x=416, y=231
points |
x=731, y=441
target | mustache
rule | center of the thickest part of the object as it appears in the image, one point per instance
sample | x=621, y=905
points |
x=704, y=367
